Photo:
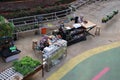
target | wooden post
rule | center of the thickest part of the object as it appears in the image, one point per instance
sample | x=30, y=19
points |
x=97, y=32
x=34, y=44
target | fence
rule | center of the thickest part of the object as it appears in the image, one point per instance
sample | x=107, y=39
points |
x=40, y=18
x=23, y=21
x=27, y=23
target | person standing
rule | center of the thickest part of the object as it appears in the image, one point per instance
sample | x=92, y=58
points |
x=62, y=24
x=81, y=19
x=76, y=19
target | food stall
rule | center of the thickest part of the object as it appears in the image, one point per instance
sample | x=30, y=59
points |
x=53, y=54
x=76, y=32
x=53, y=50
x=73, y=34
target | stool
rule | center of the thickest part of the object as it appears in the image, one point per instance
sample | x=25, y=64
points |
x=97, y=32
x=34, y=44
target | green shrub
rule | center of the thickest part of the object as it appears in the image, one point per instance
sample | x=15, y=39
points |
x=6, y=29
x=2, y=19
x=7, y=0
x=110, y=16
x=25, y=65
x=35, y=11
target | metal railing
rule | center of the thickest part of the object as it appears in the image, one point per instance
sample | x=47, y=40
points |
x=23, y=21
x=37, y=19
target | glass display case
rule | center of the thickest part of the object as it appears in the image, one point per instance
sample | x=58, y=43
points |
x=53, y=54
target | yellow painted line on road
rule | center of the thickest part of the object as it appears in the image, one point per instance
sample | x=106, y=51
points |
x=76, y=60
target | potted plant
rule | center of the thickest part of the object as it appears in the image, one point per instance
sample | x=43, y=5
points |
x=115, y=12
x=111, y=15
x=104, y=20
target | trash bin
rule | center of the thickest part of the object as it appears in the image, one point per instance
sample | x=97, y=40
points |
x=43, y=30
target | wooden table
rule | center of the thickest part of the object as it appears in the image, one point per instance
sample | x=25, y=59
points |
x=88, y=26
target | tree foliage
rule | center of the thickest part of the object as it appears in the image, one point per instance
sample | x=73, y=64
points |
x=6, y=28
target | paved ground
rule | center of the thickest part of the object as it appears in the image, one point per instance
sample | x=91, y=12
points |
x=95, y=12
x=90, y=68
x=101, y=63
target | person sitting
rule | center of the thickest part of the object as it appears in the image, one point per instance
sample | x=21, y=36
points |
x=46, y=44
x=62, y=24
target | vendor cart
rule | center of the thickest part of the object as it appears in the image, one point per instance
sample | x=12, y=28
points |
x=53, y=54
